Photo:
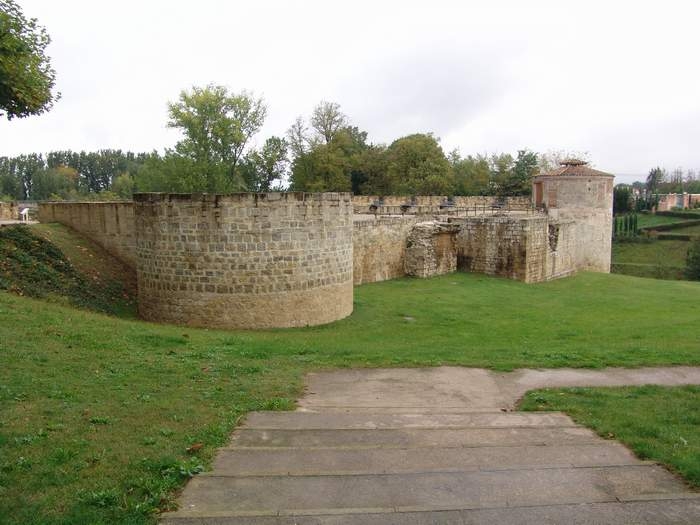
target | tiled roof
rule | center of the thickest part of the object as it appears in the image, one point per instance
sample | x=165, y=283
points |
x=576, y=167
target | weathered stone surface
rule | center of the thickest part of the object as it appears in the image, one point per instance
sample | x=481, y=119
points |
x=379, y=247
x=9, y=211
x=244, y=260
x=431, y=249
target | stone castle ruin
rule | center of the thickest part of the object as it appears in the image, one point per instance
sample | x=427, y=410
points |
x=291, y=259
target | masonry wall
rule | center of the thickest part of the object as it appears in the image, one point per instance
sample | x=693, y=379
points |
x=437, y=200
x=9, y=211
x=588, y=202
x=506, y=246
x=109, y=224
x=561, y=249
x=244, y=260
x=379, y=247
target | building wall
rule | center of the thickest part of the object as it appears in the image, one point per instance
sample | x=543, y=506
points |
x=587, y=201
x=109, y=224
x=9, y=211
x=379, y=247
x=244, y=260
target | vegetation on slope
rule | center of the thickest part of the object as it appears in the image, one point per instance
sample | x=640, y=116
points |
x=103, y=418
x=658, y=423
x=51, y=262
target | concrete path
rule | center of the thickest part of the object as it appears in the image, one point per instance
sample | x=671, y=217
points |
x=435, y=446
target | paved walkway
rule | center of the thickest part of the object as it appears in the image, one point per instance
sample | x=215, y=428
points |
x=435, y=446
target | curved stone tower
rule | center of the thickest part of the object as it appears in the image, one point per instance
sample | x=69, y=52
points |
x=245, y=260
x=577, y=192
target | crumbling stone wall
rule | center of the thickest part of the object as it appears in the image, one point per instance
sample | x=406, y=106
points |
x=588, y=202
x=431, y=249
x=109, y=224
x=9, y=211
x=379, y=247
x=244, y=260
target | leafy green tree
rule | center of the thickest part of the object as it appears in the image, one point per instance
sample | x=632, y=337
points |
x=123, y=186
x=264, y=169
x=655, y=178
x=416, y=165
x=622, y=199
x=327, y=120
x=58, y=183
x=472, y=174
x=26, y=76
x=217, y=126
x=519, y=180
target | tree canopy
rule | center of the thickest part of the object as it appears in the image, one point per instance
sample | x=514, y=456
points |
x=26, y=76
x=217, y=127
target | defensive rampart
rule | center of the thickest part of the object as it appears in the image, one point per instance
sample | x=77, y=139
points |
x=244, y=260
x=109, y=224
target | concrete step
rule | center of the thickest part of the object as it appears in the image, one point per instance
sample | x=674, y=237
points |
x=682, y=511
x=431, y=491
x=321, y=420
x=270, y=461
x=412, y=437
x=329, y=409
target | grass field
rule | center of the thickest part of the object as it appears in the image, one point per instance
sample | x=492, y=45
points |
x=688, y=230
x=103, y=418
x=646, y=220
x=658, y=423
x=656, y=259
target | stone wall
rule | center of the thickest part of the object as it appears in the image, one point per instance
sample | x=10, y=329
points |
x=9, y=211
x=244, y=260
x=561, y=249
x=431, y=249
x=588, y=202
x=431, y=204
x=109, y=224
x=526, y=248
x=504, y=246
x=379, y=247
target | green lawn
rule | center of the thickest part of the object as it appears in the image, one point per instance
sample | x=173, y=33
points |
x=646, y=220
x=97, y=413
x=688, y=230
x=658, y=423
x=658, y=259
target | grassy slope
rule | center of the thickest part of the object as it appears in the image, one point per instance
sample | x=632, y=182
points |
x=658, y=423
x=52, y=262
x=645, y=220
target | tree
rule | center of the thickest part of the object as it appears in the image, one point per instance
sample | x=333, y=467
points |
x=217, y=126
x=519, y=179
x=622, y=199
x=26, y=76
x=416, y=165
x=654, y=179
x=264, y=170
x=55, y=183
x=472, y=174
x=327, y=120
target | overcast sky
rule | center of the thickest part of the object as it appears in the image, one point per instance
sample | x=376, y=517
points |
x=620, y=80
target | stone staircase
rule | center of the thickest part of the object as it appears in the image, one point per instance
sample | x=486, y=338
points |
x=410, y=465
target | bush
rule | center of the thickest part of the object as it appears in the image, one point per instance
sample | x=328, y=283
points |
x=692, y=264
